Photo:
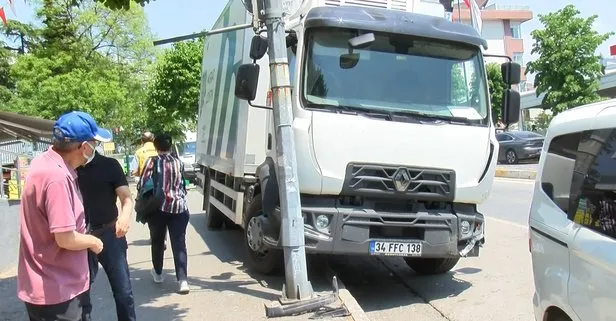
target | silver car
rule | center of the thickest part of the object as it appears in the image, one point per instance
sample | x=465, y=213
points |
x=518, y=145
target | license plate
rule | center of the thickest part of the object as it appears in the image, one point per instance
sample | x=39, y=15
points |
x=395, y=248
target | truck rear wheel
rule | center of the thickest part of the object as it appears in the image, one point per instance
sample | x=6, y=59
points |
x=214, y=219
x=260, y=258
x=430, y=266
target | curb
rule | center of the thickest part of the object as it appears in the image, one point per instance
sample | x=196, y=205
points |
x=513, y=173
x=355, y=310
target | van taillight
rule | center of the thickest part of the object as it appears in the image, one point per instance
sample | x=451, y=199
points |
x=268, y=101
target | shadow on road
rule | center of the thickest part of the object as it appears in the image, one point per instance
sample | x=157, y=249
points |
x=388, y=283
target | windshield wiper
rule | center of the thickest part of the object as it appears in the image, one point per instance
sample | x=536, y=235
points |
x=451, y=119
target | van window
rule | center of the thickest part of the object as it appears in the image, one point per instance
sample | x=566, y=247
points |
x=579, y=175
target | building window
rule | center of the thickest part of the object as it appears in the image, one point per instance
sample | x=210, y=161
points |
x=579, y=175
x=518, y=57
x=522, y=86
x=516, y=32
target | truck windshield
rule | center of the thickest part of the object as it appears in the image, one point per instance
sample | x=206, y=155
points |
x=395, y=73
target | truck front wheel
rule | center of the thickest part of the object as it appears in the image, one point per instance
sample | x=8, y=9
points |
x=430, y=266
x=262, y=259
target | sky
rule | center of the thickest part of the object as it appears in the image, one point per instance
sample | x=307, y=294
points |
x=169, y=18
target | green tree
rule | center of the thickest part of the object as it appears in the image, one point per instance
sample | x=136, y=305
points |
x=496, y=87
x=122, y=4
x=85, y=57
x=567, y=69
x=172, y=101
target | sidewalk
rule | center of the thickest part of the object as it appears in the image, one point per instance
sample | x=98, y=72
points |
x=221, y=287
x=523, y=171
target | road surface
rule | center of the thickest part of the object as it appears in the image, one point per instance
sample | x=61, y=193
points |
x=496, y=286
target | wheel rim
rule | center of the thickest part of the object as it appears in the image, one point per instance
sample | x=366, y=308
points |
x=254, y=236
x=510, y=157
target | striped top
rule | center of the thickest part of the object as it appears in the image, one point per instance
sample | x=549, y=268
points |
x=173, y=183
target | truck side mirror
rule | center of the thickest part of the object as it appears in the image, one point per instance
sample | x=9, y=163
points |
x=246, y=81
x=511, y=73
x=258, y=47
x=511, y=106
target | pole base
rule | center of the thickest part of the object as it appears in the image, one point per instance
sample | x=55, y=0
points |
x=288, y=307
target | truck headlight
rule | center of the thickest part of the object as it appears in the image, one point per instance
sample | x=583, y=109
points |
x=322, y=222
x=465, y=228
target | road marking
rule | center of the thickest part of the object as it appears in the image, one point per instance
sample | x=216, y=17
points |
x=515, y=180
x=506, y=222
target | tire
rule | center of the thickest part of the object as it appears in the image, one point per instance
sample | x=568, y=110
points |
x=511, y=157
x=214, y=219
x=270, y=261
x=431, y=266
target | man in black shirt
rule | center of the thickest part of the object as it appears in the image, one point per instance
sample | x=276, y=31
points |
x=102, y=182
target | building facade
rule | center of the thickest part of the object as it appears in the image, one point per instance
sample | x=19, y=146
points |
x=502, y=28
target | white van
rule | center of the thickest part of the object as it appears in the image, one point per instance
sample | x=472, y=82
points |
x=573, y=217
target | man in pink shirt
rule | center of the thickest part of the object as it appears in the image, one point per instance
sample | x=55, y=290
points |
x=53, y=269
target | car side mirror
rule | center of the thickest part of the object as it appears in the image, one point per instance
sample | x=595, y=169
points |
x=246, y=81
x=511, y=106
x=511, y=73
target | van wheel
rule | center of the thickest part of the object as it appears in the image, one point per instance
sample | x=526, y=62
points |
x=431, y=266
x=214, y=219
x=260, y=258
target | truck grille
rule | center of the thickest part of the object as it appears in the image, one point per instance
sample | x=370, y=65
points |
x=428, y=184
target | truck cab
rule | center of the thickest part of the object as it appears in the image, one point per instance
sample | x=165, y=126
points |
x=393, y=133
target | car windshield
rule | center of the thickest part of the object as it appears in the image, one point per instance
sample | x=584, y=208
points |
x=395, y=73
x=189, y=148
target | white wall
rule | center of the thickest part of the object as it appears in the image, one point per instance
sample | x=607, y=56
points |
x=494, y=33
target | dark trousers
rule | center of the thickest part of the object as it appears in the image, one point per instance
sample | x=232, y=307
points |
x=113, y=260
x=65, y=311
x=159, y=223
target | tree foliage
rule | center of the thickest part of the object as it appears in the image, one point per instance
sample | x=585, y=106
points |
x=173, y=96
x=83, y=56
x=497, y=88
x=567, y=70
x=122, y=4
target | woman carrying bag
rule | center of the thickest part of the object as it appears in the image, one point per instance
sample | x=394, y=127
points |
x=162, y=204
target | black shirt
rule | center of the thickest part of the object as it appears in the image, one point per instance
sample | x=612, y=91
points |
x=98, y=181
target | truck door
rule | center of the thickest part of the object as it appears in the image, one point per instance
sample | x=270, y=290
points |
x=592, y=281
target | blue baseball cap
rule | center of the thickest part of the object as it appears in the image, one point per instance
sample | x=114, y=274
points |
x=77, y=126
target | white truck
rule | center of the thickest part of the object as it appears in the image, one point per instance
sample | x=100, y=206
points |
x=393, y=132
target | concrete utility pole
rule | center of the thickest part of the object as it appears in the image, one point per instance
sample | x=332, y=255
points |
x=297, y=286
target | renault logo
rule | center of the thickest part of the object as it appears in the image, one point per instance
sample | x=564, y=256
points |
x=402, y=179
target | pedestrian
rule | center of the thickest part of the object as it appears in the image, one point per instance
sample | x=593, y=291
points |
x=142, y=154
x=173, y=213
x=53, y=261
x=102, y=183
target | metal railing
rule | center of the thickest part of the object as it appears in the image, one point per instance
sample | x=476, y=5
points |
x=507, y=7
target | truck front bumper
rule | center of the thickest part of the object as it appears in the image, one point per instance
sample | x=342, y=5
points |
x=353, y=230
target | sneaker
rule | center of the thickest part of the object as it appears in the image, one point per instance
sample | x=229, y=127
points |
x=158, y=278
x=183, y=287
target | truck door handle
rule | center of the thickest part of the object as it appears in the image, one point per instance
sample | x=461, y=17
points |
x=269, y=141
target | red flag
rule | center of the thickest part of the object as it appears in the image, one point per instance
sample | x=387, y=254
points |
x=468, y=3
x=613, y=50
x=2, y=15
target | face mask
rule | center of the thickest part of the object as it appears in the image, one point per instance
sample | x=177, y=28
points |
x=91, y=157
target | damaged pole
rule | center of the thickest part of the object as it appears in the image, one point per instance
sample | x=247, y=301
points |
x=297, y=286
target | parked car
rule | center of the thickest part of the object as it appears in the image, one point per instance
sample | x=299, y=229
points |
x=572, y=235
x=518, y=145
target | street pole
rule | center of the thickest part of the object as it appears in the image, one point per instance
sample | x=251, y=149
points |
x=297, y=286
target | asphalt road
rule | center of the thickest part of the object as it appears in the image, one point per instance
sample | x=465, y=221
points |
x=495, y=286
